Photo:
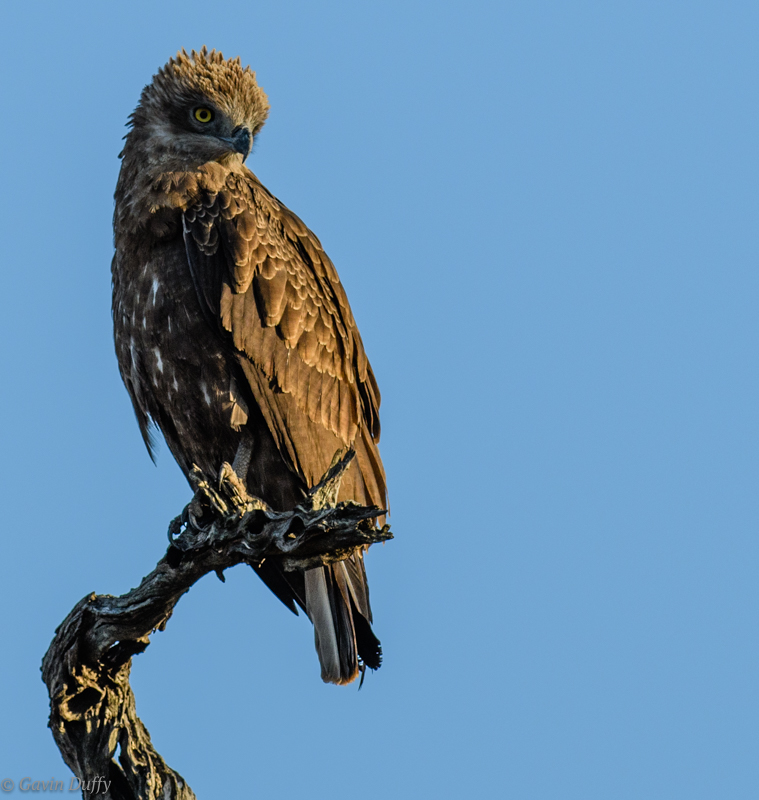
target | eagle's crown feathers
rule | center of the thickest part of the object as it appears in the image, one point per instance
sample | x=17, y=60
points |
x=204, y=76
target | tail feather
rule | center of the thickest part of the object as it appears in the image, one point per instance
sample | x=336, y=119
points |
x=337, y=604
x=319, y=606
x=358, y=584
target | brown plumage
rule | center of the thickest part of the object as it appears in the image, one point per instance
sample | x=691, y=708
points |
x=233, y=333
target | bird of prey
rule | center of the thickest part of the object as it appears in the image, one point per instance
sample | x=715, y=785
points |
x=233, y=332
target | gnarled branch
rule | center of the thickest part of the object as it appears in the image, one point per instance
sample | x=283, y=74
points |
x=86, y=669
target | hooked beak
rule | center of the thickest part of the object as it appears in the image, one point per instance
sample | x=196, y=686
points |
x=242, y=141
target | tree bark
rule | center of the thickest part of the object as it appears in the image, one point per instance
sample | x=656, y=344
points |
x=86, y=668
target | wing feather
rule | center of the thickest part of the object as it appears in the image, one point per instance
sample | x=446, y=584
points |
x=264, y=279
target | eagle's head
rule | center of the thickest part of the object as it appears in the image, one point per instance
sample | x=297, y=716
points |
x=199, y=108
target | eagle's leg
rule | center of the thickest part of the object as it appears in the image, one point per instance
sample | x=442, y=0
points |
x=233, y=478
x=244, y=452
x=197, y=512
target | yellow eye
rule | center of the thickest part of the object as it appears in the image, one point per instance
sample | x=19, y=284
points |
x=203, y=114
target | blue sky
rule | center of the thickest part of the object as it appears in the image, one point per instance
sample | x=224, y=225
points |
x=544, y=214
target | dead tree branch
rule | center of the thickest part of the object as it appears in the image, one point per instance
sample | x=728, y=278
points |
x=86, y=669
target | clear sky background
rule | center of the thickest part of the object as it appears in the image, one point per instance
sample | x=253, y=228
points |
x=545, y=216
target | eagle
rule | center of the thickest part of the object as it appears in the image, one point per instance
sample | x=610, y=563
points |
x=233, y=333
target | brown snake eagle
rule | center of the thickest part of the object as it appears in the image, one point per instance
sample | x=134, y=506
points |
x=233, y=332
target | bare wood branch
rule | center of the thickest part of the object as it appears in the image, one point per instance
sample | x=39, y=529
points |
x=86, y=669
